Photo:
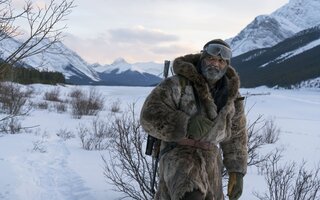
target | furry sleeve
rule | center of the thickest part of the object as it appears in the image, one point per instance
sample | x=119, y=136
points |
x=160, y=116
x=235, y=153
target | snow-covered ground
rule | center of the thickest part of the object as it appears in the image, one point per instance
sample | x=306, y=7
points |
x=61, y=169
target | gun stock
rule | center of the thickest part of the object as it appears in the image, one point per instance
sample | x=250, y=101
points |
x=166, y=68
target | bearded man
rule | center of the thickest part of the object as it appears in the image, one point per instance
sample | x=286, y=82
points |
x=198, y=115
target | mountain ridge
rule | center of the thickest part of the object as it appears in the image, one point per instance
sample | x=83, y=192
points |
x=268, y=30
x=287, y=64
x=77, y=71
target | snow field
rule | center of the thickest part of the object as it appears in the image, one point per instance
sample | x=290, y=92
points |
x=40, y=165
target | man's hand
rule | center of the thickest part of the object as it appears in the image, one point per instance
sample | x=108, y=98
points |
x=198, y=126
x=235, y=185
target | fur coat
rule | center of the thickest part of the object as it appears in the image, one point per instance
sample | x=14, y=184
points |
x=165, y=115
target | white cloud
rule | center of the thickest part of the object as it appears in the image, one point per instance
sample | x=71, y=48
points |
x=144, y=30
x=104, y=50
x=140, y=34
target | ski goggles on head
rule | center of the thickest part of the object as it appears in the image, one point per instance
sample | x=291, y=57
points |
x=218, y=50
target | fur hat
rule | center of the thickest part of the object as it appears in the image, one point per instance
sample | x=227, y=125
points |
x=217, y=41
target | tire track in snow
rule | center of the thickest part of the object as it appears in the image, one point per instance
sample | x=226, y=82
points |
x=46, y=176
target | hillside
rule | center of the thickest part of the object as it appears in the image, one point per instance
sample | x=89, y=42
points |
x=286, y=64
x=268, y=30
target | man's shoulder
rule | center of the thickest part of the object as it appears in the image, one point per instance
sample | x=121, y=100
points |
x=170, y=80
x=174, y=81
x=192, y=58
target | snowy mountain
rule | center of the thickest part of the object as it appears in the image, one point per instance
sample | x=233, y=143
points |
x=120, y=65
x=291, y=63
x=268, y=30
x=58, y=58
x=120, y=72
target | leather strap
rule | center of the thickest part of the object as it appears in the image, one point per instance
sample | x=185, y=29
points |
x=197, y=144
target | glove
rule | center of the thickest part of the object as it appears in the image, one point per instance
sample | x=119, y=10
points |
x=235, y=185
x=198, y=126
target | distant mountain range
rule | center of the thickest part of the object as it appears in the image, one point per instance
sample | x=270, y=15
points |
x=281, y=49
x=120, y=72
x=76, y=71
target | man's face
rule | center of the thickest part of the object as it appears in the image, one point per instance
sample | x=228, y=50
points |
x=215, y=61
x=213, y=68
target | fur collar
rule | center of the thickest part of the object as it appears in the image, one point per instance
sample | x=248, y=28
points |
x=186, y=67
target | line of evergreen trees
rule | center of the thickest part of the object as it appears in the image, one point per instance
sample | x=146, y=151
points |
x=29, y=75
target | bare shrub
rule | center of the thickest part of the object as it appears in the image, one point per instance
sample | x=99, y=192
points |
x=76, y=93
x=270, y=132
x=13, y=98
x=65, y=134
x=39, y=146
x=10, y=125
x=95, y=101
x=307, y=184
x=87, y=104
x=95, y=137
x=285, y=183
x=260, y=133
x=127, y=167
x=60, y=107
x=14, y=103
x=42, y=105
x=115, y=106
x=53, y=95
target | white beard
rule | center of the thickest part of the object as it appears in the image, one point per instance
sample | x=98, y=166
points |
x=212, y=74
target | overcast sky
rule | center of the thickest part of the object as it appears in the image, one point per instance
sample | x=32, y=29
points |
x=155, y=30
